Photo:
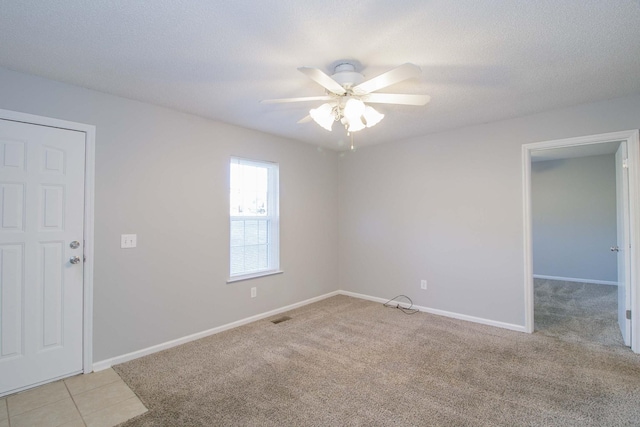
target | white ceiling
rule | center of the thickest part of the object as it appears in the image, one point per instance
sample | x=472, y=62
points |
x=482, y=60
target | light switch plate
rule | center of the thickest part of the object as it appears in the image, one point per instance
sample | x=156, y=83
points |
x=128, y=241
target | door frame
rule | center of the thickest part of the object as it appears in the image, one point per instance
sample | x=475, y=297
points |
x=632, y=138
x=89, y=183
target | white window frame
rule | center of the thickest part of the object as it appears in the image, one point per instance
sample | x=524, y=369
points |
x=273, y=208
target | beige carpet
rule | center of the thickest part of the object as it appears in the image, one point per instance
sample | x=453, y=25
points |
x=349, y=362
x=573, y=311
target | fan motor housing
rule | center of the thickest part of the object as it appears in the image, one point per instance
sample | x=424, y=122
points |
x=345, y=74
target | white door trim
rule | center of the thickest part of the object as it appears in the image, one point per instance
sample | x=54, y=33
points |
x=632, y=137
x=89, y=183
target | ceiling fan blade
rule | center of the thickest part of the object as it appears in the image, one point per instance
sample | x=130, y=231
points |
x=396, y=98
x=305, y=119
x=398, y=74
x=323, y=80
x=303, y=99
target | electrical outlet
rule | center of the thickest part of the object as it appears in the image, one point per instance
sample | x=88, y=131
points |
x=254, y=292
x=423, y=284
x=128, y=241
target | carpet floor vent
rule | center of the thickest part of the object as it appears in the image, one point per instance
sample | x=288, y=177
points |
x=280, y=319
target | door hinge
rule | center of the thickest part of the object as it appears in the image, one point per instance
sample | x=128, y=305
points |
x=628, y=314
x=625, y=163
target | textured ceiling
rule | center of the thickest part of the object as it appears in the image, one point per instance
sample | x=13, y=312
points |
x=482, y=60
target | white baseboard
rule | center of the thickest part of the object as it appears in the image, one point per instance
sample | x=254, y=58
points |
x=106, y=364
x=489, y=322
x=573, y=279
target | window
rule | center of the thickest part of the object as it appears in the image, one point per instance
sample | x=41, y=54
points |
x=254, y=221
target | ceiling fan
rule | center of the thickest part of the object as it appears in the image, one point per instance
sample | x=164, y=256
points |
x=347, y=95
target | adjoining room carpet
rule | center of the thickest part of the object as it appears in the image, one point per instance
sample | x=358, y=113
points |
x=577, y=312
x=350, y=362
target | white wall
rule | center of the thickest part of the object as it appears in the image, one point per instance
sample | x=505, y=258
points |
x=448, y=208
x=164, y=175
x=574, y=218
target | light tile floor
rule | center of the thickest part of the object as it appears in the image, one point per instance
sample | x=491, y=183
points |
x=99, y=399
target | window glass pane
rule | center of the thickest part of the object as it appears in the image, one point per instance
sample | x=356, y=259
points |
x=248, y=185
x=251, y=232
x=263, y=256
x=261, y=203
x=235, y=180
x=249, y=245
x=263, y=232
x=237, y=233
x=251, y=258
x=237, y=260
x=236, y=202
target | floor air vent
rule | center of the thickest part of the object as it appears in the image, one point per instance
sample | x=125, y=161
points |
x=280, y=319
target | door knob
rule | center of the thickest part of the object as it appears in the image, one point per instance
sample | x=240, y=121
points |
x=615, y=249
x=74, y=260
x=74, y=245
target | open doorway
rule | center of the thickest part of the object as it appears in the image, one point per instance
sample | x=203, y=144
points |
x=602, y=148
x=573, y=211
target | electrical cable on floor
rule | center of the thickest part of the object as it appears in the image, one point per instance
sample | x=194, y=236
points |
x=392, y=303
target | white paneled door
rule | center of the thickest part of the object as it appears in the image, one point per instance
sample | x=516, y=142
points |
x=41, y=253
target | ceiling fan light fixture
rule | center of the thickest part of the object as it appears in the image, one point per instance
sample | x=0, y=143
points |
x=372, y=116
x=353, y=110
x=323, y=115
x=356, y=126
x=346, y=92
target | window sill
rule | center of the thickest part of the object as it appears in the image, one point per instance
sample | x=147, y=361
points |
x=253, y=276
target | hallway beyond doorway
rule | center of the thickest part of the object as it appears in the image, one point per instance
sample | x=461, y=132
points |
x=573, y=311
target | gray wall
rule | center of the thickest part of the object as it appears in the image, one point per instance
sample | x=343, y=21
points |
x=445, y=207
x=448, y=208
x=574, y=218
x=164, y=175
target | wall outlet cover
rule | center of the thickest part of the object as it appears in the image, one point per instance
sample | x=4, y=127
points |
x=128, y=241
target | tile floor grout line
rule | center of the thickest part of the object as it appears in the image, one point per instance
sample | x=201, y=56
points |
x=110, y=406
x=48, y=411
x=34, y=389
x=118, y=379
x=114, y=405
x=94, y=388
x=74, y=403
